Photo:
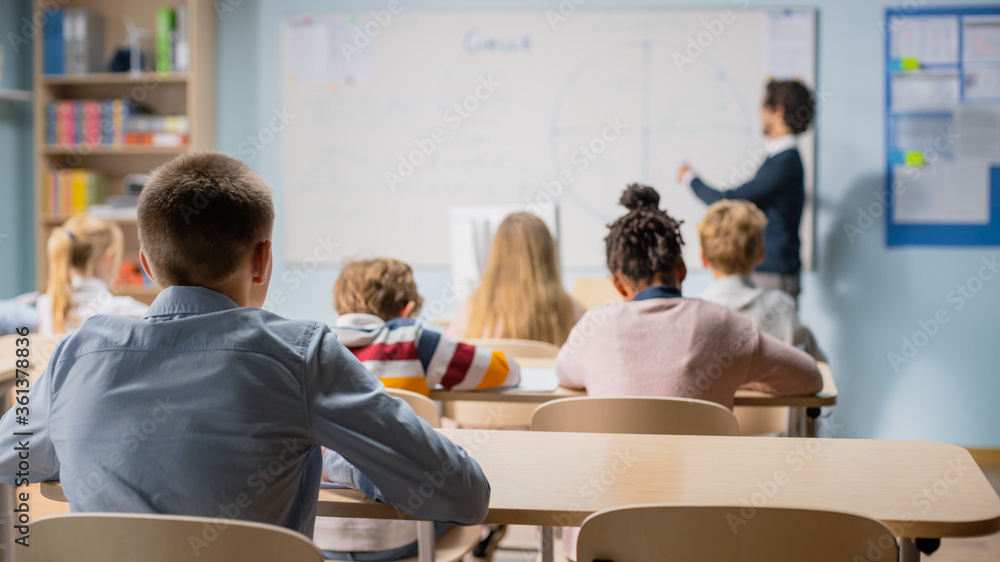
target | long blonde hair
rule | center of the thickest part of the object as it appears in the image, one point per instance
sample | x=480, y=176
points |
x=521, y=293
x=78, y=245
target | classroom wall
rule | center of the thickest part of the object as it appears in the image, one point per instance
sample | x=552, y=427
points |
x=862, y=300
x=17, y=229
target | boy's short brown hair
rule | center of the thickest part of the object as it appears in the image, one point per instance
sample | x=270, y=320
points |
x=732, y=236
x=381, y=286
x=198, y=216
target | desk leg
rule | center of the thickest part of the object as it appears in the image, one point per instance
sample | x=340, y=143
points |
x=796, y=421
x=812, y=416
x=545, y=546
x=908, y=550
x=425, y=541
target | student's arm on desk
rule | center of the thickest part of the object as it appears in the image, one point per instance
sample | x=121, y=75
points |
x=381, y=447
x=460, y=366
x=782, y=370
x=34, y=407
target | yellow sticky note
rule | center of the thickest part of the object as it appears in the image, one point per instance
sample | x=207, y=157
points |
x=909, y=63
x=914, y=158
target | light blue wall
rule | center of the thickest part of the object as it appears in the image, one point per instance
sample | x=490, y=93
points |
x=17, y=230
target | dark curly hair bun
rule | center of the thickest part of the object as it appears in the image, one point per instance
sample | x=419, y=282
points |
x=638, y=196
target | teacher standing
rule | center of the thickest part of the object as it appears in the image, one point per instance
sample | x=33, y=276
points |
x=778, y=187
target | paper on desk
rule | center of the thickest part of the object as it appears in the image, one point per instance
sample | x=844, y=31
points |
x=537, y=380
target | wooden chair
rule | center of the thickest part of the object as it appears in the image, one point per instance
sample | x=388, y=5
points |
x=100, y=537
x=635, y=414
x=519, y=349
x=456, y=542
x=731, y=533
x=592, y=292
x=422, y=405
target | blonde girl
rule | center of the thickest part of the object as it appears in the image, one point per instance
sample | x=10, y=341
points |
x=521, y=295
x=85, y=255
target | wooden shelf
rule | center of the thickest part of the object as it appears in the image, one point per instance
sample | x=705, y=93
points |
x=190, y=93
x=84, y=150
x=112, y=78
x=16, y=95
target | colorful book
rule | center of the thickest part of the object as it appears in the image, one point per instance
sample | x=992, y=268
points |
x=165, y=22
x=53, y=43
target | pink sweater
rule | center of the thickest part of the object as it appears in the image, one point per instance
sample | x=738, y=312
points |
x=679, y=347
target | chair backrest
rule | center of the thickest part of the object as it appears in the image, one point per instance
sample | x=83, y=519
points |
x=422, y=405
x=519, y=349
x=592, y=292
x=99, y=537
x=732, y=533
x=635, y=414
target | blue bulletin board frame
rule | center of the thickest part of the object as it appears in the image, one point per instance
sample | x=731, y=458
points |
x=933, y=234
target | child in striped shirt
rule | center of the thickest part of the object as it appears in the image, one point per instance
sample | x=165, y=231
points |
x=376, y=302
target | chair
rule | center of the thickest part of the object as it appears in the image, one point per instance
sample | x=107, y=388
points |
x=635, y=414
x=422, y=405
x=592, y=292
x=713, y=533
x=518, y=349
x=458, y=541
x=100, y=537
x=501, y=415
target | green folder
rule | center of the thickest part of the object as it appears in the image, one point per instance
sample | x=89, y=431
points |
x=165, y=21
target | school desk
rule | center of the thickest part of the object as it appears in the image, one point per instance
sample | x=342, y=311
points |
x=802, y=410
x=919, y=489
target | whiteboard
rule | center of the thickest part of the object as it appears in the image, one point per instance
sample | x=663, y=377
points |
x=398, y=118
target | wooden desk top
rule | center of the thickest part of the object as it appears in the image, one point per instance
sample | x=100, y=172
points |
x=825, y=397
x=917, y=488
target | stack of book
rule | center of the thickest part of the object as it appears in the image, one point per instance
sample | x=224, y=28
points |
x=91, y=122
x=73, y=41
x=157, y=130
x=71, y=191
x=172, y=48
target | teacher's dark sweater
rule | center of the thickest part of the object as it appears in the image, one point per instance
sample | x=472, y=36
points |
x=779, y=190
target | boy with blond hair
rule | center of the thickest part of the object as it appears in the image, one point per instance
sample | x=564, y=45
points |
x=211, y=406
x=732, y=244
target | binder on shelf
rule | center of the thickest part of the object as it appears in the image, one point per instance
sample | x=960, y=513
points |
x=53, y=43
x=164, y=32
x=83, y=31
x=182, y=51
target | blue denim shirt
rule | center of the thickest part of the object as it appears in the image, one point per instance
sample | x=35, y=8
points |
x=205, y=408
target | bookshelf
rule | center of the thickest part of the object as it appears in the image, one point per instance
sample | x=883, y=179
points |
x=190, y=93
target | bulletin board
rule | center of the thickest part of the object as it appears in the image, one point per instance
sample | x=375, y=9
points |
x=942, y=126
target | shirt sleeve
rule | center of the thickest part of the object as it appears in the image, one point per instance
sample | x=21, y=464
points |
x=771, y=179
x=570, y=365
x=30, y=441
x=461, y=366
x=782, y=370
x=396, y=455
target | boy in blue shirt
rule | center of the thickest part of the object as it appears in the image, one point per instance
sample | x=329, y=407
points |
x=211, y=406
